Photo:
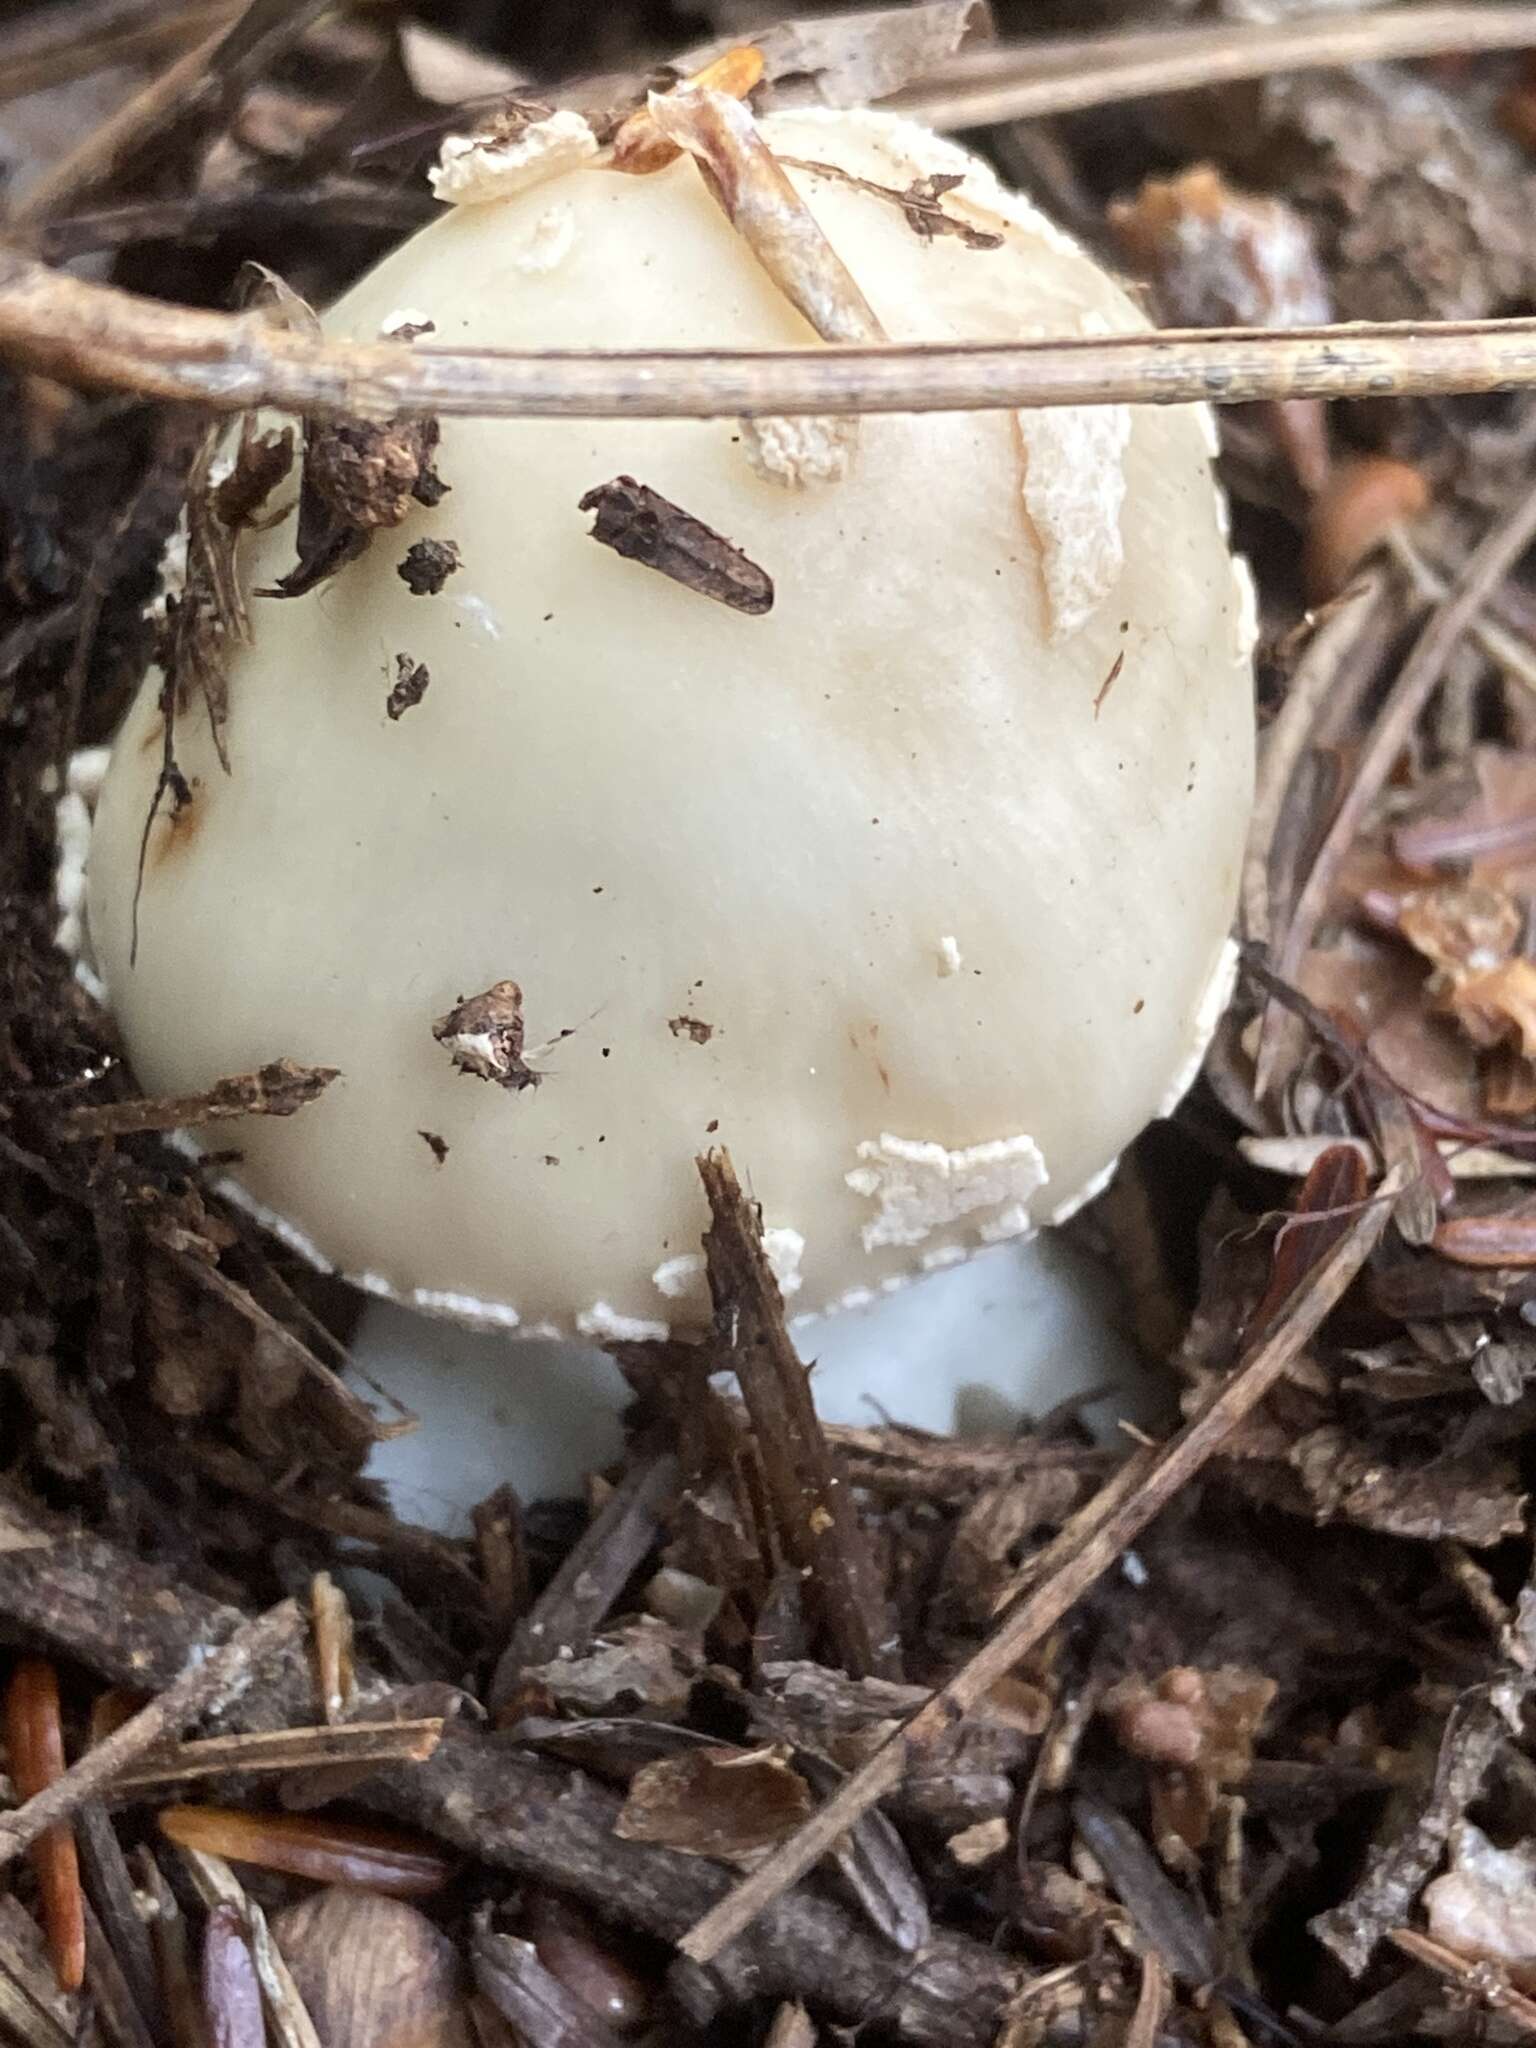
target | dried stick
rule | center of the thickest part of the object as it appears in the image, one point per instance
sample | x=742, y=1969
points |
x=277, y=1089
x=204, y=1686
x=1063, y=76
x=352, y=1743
x=812, y=1509
x=1082, y=1553
x=286, y=2011
x=1484, y=570
x=345, y=1518
x=339, y=202
x=93, y=334
x=1506, y=649
x=110, y=1890
x=756, y=196
x=121, y=2019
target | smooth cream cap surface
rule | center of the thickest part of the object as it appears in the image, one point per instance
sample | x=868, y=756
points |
x=942, y=850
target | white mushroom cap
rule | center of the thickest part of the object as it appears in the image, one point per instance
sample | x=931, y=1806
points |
x=953, y=911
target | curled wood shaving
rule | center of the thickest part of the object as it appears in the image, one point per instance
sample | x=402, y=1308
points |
x=354, y=1744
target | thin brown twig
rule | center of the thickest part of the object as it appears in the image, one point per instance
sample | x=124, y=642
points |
x=205, y=1686
x=76, y=37
x=1508, y=649
x=339, y=202
x=337, y=1517
x=1485, y=568
x=1483, y=1981
x=1065, y=75
x=1084, y=1550
x=277, y=1089
x=94, y=334
x=197, y=83
x=117, y=2011
x=110, y=1889
x=284, y=1749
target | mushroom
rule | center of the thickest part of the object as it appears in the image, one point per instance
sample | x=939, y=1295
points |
x=909, y=879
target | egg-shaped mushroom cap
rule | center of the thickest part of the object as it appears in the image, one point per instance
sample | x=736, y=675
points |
x=912, y=889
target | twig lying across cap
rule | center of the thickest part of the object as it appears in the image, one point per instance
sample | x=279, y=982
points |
x=95, y=334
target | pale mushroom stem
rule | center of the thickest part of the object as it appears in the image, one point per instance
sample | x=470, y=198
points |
x=980, y=1350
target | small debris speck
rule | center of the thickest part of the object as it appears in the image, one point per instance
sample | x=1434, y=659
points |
x=1109, y=682
x=407, y=325
x=691, y=1027
x=427, y=565
x=410, y=685
x=484, y=1037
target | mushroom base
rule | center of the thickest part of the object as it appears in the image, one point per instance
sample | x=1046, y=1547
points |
x=977, y=1350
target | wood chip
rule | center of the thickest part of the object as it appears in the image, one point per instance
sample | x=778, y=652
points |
x=643, y=526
